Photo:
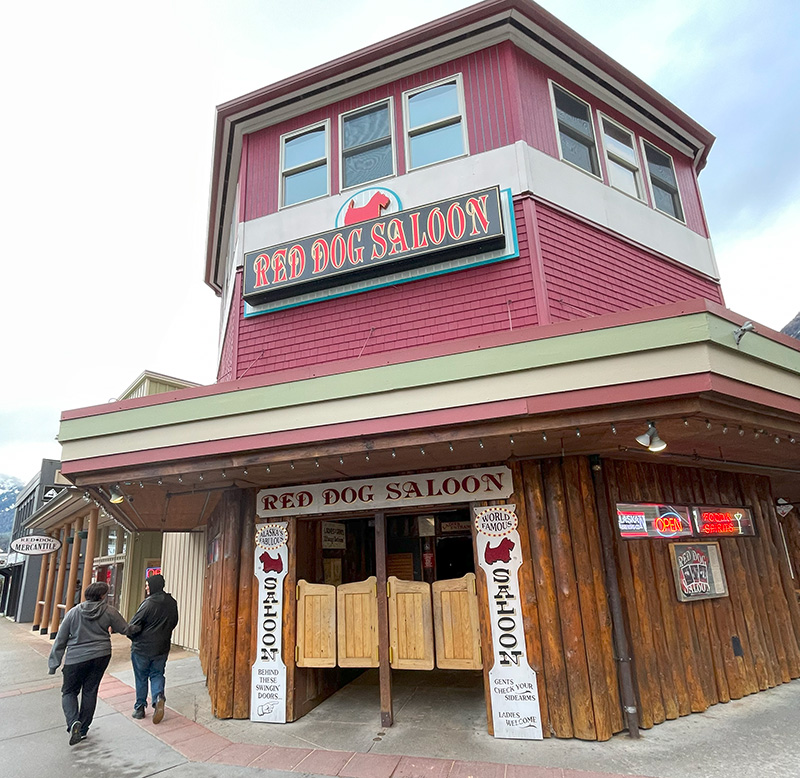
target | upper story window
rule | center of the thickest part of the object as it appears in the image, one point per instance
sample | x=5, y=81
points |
x=575, y=131
x=304, y=165
x=621, y=158
x=663, y=182
x=434, y=117
x=367, y=147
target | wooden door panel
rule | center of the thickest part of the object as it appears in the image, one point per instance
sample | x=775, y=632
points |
x=357, y=606
x=456, y=625
x=316, y=625
x=410, y=624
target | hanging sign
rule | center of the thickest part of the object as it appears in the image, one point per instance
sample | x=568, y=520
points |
x=334, y=535
x=268, y=676
x=698, y=571
x=466, y=224
x=513, y=688
x=783, y=507
x=488, y=483
x=652, y=520
x=35, y=545
x=713, y=522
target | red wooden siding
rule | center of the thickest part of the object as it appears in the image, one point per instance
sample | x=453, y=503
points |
x=589, y=272
x=432, y=310
x=486, y=92
x=227, y=359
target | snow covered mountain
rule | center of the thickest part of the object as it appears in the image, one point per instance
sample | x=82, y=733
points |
x=9, y=489
x=793, y=327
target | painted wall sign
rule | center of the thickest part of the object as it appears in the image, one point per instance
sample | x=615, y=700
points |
x=698, y=571
x=513, y=687
x=268, y=675
x=334, y=535
x=488, y=483
x=651, y=520
x=458, y=226
x=711, y=521
x=35, y=545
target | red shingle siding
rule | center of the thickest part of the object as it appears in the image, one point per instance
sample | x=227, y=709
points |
x=228, y=355
x=432, y=310
x=488, y=127
x=589, y=272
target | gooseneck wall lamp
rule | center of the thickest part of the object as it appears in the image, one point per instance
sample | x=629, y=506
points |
x=115, y=494
x=650, y=439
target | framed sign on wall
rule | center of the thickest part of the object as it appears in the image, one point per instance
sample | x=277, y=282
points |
x=698, y=571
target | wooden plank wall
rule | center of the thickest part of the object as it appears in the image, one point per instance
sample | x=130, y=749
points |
x=689, y=656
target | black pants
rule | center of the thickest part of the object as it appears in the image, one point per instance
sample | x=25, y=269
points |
x=83, y=678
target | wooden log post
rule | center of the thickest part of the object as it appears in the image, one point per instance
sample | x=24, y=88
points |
x=244, y=619
x=293, y=704
x=384, y=668
x=620, y=631
x=55, y=615
x=40, y=590
x=88, y=554
x=51, y=582
x=77, y=526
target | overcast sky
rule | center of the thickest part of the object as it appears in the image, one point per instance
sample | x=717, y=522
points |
x=106, y=149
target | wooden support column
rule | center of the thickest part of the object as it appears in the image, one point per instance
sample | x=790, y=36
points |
x=55, y=616
x=72, y=581
x=51, y=581
x=37, y=612
x=384, y=668
x=88, y=559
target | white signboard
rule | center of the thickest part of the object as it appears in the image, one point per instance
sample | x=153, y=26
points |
x=488, y=483
x=34, y=545
x=268, y=677
x=334, y=535
x=513, y=690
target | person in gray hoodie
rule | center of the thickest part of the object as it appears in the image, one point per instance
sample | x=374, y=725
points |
x=85, y=634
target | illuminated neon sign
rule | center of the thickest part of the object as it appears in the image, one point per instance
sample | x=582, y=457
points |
x=713, y=522
x=653, y=520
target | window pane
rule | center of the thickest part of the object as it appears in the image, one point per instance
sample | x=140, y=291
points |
x=368, y=165
x=305, y=185
x=365, y=127
x=304, y=148
x=573, y=113
x=432, y=105
x=619, y=143
x=434, y=146
x=623, y=178
x=578, y=153
x=667, y=201
x=660, y=166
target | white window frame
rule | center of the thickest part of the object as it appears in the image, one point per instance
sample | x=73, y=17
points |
x=326, y=125
x=553, y=87
x=462, y=114
x=389, y=102
x=612, y=159
x=646, y=167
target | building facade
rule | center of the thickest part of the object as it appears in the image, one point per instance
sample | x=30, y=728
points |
x=480, y=405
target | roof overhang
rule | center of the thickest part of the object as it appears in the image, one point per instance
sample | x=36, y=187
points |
x=524, y=23
x=522, y=393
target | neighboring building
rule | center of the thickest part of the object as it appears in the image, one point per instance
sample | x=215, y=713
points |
x=469, y=267
x=21, y=572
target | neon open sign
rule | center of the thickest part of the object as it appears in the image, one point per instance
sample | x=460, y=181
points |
x=653, y=520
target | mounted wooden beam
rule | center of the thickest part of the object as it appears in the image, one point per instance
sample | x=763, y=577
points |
x=55, y=615
x=51, y=581
x=384, y=669
x=72, y=581
x=88, y=554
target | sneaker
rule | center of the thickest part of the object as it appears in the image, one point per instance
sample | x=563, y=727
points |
x=158, y=712
x=138, y=713
x=75, y=733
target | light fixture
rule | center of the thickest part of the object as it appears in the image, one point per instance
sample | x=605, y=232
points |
x=724, y=429
x=480, y=442
x=544, y=437
x=394, y=454
x=756, y=433
x=613, y=429
x=708, y=424
x=739, y=332
x=269, y=469
x=686, y=422
x=650, y=439
x=777, y=439
x=792, y=440
x=450, y=446
x=291, y=464
x=86, y=497
x=160, y=481
x=741, y=430
x=316, y=462
x=422, y=451
x=511, y=439
x=201, y=476
x=141, y=485
x=577, y=432
x=244, y=472
x=180, y=479
x=223, y=474
x=341, y=460
x=366, y=456
x=115, y=495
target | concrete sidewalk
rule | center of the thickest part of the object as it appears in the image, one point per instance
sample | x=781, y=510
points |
x=748, y=738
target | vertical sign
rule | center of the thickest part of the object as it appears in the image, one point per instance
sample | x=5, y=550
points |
x=513, y=688
x=268, y=678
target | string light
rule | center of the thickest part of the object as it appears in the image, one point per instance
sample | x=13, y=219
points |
x=511, y=439
x=201, y=476
x=141, y=485
x=422, y=451
x=480, y=442
x=244, y=472
x=686, y=422
x=708, y=424
x=741, y=430
x=394, y=454
x=792, y=440
x=577, y=432
x=316, y=462
x=450, y=446
x=269, y=469
x=86, y=497
x=756, y=433
x=180, y=479
x=777, y=439
x=724, y=429
x=613, y=429
x=367, y=456
x=341, y=460
x=223, y=474
x=291, y=464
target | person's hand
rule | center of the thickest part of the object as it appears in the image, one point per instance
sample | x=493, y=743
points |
x=110, y=631
x=51, y=671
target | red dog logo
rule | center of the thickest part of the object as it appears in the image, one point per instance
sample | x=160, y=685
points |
x=372, y=210
x=500, y=553
x=271, y=564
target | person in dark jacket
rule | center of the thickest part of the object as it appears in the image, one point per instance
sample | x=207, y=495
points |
x=85, y=634
x=150, y=631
